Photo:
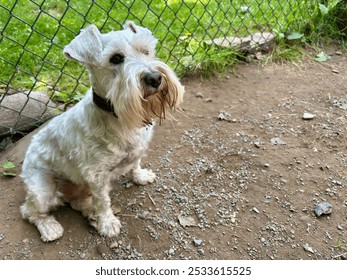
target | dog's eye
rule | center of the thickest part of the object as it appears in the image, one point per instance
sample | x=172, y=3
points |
x=117, y=59
x=146, y=52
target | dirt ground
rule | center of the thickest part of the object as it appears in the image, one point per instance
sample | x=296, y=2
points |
x=239, y=176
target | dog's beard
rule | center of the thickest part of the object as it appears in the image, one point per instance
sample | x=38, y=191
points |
x=137, y=106
x=168, y=96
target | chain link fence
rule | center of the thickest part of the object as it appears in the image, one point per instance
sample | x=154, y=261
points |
x=37, y=82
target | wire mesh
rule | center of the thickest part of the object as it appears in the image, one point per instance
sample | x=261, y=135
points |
x=36, y=79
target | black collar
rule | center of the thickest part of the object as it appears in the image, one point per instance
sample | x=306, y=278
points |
x=103, y=104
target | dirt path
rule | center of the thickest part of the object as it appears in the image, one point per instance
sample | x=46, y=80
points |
x=239, y=176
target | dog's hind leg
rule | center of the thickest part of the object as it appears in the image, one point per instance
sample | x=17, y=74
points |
x=42, y=196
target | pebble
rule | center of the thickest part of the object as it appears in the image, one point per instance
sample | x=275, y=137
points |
x=171, y=251
x=143, y=215
x=339, y=227
x=254, y=209
x=277, y=141
x=308, y=248
x=197, y=242
x=82, y=255
x=323, y=208
x=186, y=221
x=114, y=245
x=199, y=95
x=201, y=252
x=308, y=116
x=257, y=143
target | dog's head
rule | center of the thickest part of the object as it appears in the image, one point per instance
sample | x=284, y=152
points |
x=124, y=70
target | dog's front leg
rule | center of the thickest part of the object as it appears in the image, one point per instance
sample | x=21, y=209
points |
x=102, y=217
x=142, y=176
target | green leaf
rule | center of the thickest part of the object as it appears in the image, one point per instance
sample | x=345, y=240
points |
x=323, y=9
x=9, y=174
x=8, y=165
x=295, y=36
x=321, y=57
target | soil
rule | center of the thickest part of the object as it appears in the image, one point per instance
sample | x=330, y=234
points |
x=238, y=176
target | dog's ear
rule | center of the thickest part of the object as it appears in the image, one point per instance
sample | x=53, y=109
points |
x=85, y=47
x=130, y=25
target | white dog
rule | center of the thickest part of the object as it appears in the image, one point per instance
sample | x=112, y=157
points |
x=74, y=157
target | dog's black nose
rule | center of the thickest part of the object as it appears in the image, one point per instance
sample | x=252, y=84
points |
x=153, y=79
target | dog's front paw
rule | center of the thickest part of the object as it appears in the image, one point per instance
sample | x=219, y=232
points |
x=49, y=228
x=108, y=226
x=143, y=176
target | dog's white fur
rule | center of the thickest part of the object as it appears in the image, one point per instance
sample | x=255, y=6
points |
x=74, y=158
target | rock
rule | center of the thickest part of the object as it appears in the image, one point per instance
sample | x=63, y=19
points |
x=308, y=116
x=253, y=43
x=201, y=252
x=308, y=248
x=2, y=237
x=254, y=209
x=199, y=95
x=323, y=208
x=224, y=116
x=257, y=143
x=182, y=198
x=186, y=221
x=277, y=141
x=143, y=215
x=339, y=227
x=197, y=242
x=114, y=245
x=22, y=111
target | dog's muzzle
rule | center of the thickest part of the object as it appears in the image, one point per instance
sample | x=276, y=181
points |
x=151, y=82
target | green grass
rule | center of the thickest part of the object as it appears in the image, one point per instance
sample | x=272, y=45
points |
x=43, y=28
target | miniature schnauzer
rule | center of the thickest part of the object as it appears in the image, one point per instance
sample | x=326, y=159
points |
x=74, y=158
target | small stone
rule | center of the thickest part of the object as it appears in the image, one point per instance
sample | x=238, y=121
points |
x=308, y=248
x=323, y=208
x=277, y=141
x=339, y=227
x=114, y=245
x=197, y=242
x=224, y=116
x=186, y=221
x=201, y=252
x=308, y=116
x=143, y=215
x=254, y=209
x=199, y=95
x=257, y=143
x=335, y=71
x=82, y=255
x=208, y=100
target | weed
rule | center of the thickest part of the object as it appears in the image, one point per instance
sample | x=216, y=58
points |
x=7, y=169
